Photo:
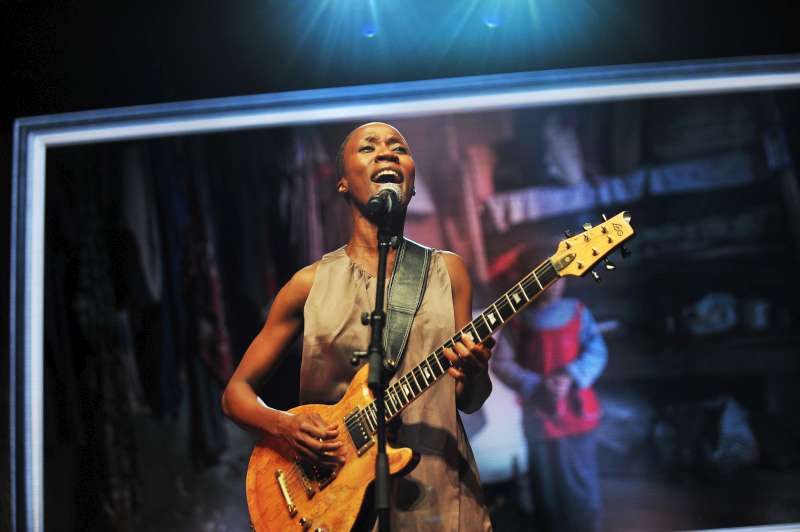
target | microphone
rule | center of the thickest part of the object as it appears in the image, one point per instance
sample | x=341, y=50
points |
x=386, y=202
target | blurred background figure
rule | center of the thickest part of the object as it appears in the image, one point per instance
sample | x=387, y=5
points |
x=558, y=354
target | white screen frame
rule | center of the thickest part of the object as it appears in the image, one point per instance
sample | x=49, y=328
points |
x=34, y=136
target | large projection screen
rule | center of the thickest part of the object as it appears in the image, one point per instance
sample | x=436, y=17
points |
x=34, y=136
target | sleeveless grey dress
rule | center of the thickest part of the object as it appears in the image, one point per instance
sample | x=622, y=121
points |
x=443, y=492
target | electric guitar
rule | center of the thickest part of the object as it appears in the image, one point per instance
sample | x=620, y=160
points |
x=286, y=493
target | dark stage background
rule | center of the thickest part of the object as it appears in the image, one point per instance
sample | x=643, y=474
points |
x=700, y=322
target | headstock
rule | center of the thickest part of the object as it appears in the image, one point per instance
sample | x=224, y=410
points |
x=578, y=254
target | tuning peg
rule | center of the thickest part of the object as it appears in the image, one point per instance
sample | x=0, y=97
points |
x=567, y=233
x=625, y=252
x=587, y=226
x=596, y=276
x=609, y=265
x=604, y=217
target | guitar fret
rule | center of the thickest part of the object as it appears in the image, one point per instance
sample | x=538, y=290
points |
x=389, y=404
x=486, y=323
x=518, y=300
x=397, y=399
x=493, y=318
x=429, y=370
x=494, y=306
x=440, y=356
x=522, y=289
x=403, y=387
x=509, y=302
x=479, y=328
x=407, y=389
x=537, y=280
x=419, y=388
x=505, y=309
x=368, y=419
x=476, y=336
x=403, y=384
x=400, y=396
x=424, y=377
x=373, y=414
x=420, y=381
x=436, y=358
x=386, y=407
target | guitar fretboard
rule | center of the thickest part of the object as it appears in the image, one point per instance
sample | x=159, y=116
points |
x=411, y=385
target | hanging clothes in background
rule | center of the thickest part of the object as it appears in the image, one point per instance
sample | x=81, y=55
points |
x=139, y=263
x=110, y=452
x=207, y=439
x=326, y=220
x=207, y=311
x=226, y=249
x=162, y=256
x=563, y=157
x=167, y=166
x=207, y=341
x=140, y=220
x=311, y=167
x=611, y=138
x=243, y=218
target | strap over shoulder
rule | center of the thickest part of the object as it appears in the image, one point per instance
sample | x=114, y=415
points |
x=406, y=288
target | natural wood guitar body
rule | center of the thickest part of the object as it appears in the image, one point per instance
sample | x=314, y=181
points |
x=333, y=507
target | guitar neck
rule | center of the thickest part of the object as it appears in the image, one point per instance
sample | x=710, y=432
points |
x=411, y=385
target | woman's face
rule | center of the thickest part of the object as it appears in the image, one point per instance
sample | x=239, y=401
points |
x=377, y=154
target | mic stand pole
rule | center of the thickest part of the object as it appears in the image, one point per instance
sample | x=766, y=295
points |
x=377, y=379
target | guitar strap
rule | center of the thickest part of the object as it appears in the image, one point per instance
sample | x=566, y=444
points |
x=408, y=282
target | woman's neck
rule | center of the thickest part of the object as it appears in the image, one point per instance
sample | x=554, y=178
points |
x=364, y=238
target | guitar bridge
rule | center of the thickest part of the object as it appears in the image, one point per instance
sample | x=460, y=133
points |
x=287, y=497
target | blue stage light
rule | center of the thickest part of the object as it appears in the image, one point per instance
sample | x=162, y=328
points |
x=491, y=21
x=369, y=30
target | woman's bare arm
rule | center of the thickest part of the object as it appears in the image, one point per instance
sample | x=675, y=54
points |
x=307, y=434
x=473, y=385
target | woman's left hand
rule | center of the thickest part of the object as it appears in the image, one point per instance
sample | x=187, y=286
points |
x=468, y=358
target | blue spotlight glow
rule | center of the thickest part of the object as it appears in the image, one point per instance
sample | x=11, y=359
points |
x=369, y=30
x=491, y=21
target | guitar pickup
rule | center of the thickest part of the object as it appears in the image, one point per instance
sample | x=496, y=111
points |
x=325, y=476
x=304, y=477
x=361, y=437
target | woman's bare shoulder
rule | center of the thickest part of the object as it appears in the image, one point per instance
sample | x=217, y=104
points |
x=295, y=292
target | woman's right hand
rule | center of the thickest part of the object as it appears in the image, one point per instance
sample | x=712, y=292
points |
x=311, y=438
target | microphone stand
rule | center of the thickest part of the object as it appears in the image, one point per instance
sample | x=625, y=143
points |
x=378, y=377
